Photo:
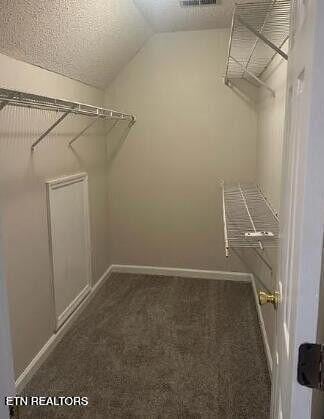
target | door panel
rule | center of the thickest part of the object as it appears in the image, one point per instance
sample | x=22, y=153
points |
x=318, y=396
x=70, y=247
x=302, y=212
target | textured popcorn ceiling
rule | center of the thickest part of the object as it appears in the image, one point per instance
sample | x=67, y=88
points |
x=88, y=40
x=91, y=40
x=168, y=15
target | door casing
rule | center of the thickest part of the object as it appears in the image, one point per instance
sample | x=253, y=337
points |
x=301, y=213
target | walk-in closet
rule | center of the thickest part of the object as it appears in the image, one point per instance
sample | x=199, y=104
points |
x=146, y=171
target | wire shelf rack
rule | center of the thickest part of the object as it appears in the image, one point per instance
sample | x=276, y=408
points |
x=64, y=107
x=249, y=219
x=259, y=31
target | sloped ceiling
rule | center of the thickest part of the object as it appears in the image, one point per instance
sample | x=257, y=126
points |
x=91, y=40
x=87, y=40
x=169, y=15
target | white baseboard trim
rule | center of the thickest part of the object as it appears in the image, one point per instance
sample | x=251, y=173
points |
x=70, y=309
x=42, y=355
x=182, y=272
x=262, y=327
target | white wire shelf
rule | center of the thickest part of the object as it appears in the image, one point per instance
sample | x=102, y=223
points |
x=249, y=220
x=65, y=108
x=259, y=31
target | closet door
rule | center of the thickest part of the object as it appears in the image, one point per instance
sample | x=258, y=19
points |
x=69, y=242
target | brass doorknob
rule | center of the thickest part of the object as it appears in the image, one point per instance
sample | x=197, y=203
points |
x=265, y=298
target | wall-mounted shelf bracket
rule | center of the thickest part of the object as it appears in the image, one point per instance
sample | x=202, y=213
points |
x=61, y=118
x=263, y=259
x=83, y=131
x=263, y=38
x=251, y=269
x=112, y=127
x=254, y=77
x=131, y=123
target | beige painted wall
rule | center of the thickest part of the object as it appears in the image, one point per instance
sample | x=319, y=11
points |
x=163, y=204
x=271, y=119
x=22, y=197
x=165, y=201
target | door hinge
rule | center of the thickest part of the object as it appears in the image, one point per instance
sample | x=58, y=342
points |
x=14, y=412
x=311, y=365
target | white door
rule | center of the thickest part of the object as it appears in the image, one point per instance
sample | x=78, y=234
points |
x=70, y=243
x=302, y=212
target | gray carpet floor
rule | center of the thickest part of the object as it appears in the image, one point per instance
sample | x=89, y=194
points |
x=160, y=347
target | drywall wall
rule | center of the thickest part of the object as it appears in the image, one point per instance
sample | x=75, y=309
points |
x=24, y=228
x=191, y=131
x=271, y=122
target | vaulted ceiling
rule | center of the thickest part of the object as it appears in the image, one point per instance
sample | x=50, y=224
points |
x=91, y=40
x=88, y=40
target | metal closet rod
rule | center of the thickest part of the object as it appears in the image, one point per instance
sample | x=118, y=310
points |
x=31, y=101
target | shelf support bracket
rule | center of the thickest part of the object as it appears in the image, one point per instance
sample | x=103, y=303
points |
x=132, y=122
x=256, y=78
x=61, y=118
x=83, y=131
x=250, y=268
x=112, y=127
x=263, y=259
x=263, y=38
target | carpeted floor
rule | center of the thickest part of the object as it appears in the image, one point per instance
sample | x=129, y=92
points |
x=157, y=347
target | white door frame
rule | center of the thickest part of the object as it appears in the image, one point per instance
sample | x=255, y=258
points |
x=7, y=381
x=302, y=210
x=52, y=185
